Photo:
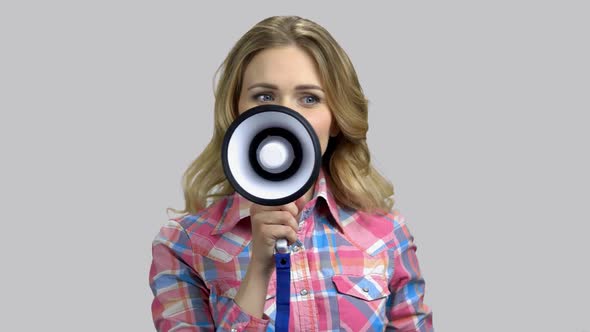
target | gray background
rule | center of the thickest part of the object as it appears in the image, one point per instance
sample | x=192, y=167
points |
x=478, y=115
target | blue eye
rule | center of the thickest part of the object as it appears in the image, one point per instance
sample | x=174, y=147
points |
x=311, y=98
x=256, y=97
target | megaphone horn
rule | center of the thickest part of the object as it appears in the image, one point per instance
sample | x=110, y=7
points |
x=271, y=155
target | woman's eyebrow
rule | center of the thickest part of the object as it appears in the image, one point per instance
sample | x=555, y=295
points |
x=308, y=87
x=274, y=87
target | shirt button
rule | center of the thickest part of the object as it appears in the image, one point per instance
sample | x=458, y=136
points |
x=234, y=330
x=365, y=289
x=303, y=292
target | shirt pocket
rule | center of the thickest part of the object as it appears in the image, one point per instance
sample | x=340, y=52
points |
x=361, y=301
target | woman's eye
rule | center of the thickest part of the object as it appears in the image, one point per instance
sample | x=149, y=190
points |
x=310, y=99
x=264, y=97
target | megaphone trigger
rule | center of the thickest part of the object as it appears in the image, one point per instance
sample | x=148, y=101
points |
x=281, y=246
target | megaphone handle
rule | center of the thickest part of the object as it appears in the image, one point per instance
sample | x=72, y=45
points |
x=282, y=246
x=283, y=289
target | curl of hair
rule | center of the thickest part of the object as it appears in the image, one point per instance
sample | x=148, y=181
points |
x=354, y=182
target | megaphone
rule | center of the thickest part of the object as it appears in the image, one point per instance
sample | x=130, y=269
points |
x=271, y=155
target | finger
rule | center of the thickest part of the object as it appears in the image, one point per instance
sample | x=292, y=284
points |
x=279, y=218
x=283, y=232
x=290, y=207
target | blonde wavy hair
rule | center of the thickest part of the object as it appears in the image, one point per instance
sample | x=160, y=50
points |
x=354, y=182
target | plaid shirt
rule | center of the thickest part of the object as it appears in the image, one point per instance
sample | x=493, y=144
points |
x=350, y=271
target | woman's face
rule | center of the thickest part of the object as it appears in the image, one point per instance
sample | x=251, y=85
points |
x=288, y=76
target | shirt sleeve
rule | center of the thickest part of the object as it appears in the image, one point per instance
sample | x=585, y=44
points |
x=181, y=298
x=406, y=310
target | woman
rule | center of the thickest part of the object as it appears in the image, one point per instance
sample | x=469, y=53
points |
x=353, y=261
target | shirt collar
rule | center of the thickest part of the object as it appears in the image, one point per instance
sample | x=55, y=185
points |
x=238, y=207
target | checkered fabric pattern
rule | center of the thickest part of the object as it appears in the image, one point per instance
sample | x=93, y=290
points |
x=350, y=271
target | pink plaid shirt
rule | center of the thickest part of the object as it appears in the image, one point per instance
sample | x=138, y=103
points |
x=350, y=271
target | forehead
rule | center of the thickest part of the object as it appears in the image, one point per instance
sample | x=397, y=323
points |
x=282, y=65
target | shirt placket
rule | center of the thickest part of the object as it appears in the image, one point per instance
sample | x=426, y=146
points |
x=306, y=314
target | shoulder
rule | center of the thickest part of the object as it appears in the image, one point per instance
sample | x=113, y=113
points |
x=192, y=227
x=204, y=235
x=389, y=228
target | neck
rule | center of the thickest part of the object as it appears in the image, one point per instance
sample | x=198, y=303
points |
x=309, y=194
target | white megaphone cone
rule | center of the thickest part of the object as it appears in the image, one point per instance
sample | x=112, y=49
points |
x=271, y=155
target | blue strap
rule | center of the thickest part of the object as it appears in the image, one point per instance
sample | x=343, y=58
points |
x=283, y=264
